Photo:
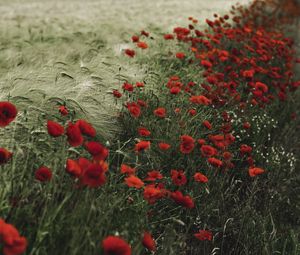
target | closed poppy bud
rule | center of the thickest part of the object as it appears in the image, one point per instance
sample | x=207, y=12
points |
x=207, y=124
x=43, y=174
x=8, y=113
x=192, y=112
x=149, y=242
x=117, y=93
x=55, y=129
x=254, y=171
x=63, y=110
x=5, y=155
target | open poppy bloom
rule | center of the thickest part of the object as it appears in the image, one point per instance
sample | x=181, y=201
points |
x=8, y=113
x=134, y=182
x=43, y=174
x=55, y=129
x=113, y=245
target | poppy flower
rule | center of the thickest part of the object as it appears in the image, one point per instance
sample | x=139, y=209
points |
x=134, y=182
x=180, y=55
x=143, y=131
x=200, y=178
x=142, y=145
x=254, y=171
x=245, y=149
x=164, y=146
x=134, y=109
x=94, y=175
x=203, y=235
x=139, y=84
x=168, y=37
x=187, y=144
x=246, y=125
x=215, y=162
x=135, y=38
x=125, y=169
x=152, y=194
x=143, y=32
x=160, y=112
x=117, y=93
x=8, y=113
x=73, y=168
x=55, y=129
x=178, y=177
x=97, y=150
x=128, y=87
x=207, y=64
x=5, y=156
x=175, y=90
x=208, y=151
x=13, y=243
x=86, y=128
x=142, y=45
x=63, y=110
x=207, y=124
x=153, y=176
x=185, y=201
x=74, y=135
x=201, y=100
x=148, y=241
x=113, y=245
x=43, y=174
x=130, y=53
x=192, y=112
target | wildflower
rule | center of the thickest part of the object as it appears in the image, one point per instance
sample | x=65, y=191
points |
x=143, y=131
x=133, y=181
x=94, y=175
x=207, y=124
x=254, y=171
x=134, y=109
x=97, y=150
x=55, y=129
x=152, y=194
x=200, y=100
x=198, y=177
x=5, y=156
x=8, y=113
x=135, y=38
x=153, y=176
x=180, y=55
x=113, y=245
x=215, y=162
x=208, y=151
x=63, y=110
x=130, y=53
x=125, y=169
x=187, y=144
x=86, y=128
x=207, y=64
x=164, y=146
x=73, y=168
x=148, y=241
x=203, y=235
x=168, y=37
x=43, y=174
x=185, y=201
x=74, y=135
x=160, y=112
x=178, y=177
x=142, y=45
x=142, y=145
x=117, y=93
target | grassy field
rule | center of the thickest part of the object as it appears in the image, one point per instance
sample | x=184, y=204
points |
x=72, y=52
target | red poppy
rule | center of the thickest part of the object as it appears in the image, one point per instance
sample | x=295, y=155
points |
x=207, y=64
x=142, y=145
x=43, y=174
x=246, y=125
x=117, y=93
x=63, y=110
x=208, y=151
x=143, y=131
x=97, y=150
x=86, y=128
x=142, y=45
x=128, y=87
x=185, y=201
x=164, y=146
x=215, y=162
x=5, y=156
x=168, y=37
x=153, y=176
x=200, y=178
x=134, y=182
x=148, y=241
x=139, y=84
x=94, y=175
x=8, y=113
x=175, y=90
x=203, y=235
x=143, y=32
x=187, y=144
x=73, y=168
x=130, y=53
x=152, y=194
x=135, y=38
x=200, y=100
x=178, y=177
x=254, y=171
x=55, y=129
x=180, y=55
x=134, y=109
x=74, y=135
x=192, y=112
x=125, y=169
x=113, y=245
x=160, y=112
x=13, y=243
x=245, y=149
x=207, y=124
